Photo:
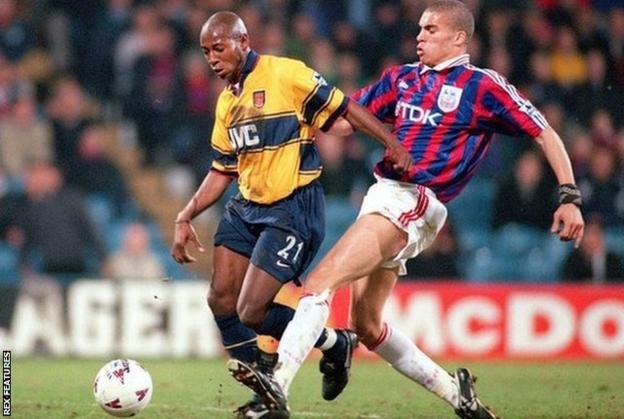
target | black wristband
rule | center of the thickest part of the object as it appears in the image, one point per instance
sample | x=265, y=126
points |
x=569, y=193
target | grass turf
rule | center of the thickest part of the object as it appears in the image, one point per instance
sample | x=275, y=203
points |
x=61, y=388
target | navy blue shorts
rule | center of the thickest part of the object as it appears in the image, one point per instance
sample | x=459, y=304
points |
x=281, y=238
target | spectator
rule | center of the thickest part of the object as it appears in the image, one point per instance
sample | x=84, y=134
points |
x=92, y=172
x=603, y=130
x=616, y=43
x=60, y=239
x=324, y=56
x=133, y=44
x=592, y=261
x=192, y=115
x=602, y=187
x=590, y=33
x=523, y=199
x=98, y=47
x=542, y=88
x=24, y=137
x=302, y=37
x=581, y=149
x=135, y=260
x=345, y=173
x=597, y=92
x=16, y=38
x=154, y=88
x=70, y=109
x=568, y=64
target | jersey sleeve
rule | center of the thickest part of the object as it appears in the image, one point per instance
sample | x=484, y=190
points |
x=380, y=97
x=320, y=103
x=225, y=158
x=506, y=111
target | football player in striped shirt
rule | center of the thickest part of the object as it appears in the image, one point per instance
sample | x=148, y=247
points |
x=263, y=136
x=444, y=111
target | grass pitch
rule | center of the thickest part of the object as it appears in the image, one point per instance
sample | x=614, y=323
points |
x=61, y=388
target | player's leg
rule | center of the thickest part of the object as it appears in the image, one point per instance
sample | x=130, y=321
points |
x=229, y=270
x=234, y=243
x=369, y=242
x=367, y=301
x=279, y=257
x=386, y=229
x=233, y=247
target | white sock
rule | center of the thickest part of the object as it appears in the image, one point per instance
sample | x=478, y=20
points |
x=300, y=336
x=332, y=338
x=405, y=357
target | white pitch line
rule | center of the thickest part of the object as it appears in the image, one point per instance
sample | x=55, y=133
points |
x=209, y=409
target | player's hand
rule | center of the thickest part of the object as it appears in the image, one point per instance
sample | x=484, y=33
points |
x=568, y=223
x=400, y=158
x=184, y=234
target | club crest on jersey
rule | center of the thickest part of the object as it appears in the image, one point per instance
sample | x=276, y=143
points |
x=448, y=99
x=259, y=98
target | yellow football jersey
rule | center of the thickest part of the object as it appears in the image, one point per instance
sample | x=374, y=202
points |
x=264, y=128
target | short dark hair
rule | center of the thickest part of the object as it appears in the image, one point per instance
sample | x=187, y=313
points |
x=461, y=16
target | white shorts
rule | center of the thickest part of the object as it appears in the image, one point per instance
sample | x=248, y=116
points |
x=412, y=208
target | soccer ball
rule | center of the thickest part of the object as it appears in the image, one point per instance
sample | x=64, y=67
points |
x=122, y=387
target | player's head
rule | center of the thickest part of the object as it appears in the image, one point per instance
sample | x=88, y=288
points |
x=225, y=44
x=445, y=29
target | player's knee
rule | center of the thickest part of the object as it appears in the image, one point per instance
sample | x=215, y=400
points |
x=251, y=316
x=368, y=330
x=221, y=302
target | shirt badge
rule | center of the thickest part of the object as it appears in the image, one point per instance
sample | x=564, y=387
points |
x=448, y=99
x=259, y=98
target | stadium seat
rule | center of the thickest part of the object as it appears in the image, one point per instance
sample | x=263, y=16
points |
x=472, y=239
x=100, y=209
x=339, y=214
x=514, y=240
x=473, y=207
x=614, y=238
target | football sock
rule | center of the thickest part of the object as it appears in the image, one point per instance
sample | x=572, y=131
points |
x=299, y=338
x=405, y=357
x=266, y=361
x=278, y=317
x=238, y=339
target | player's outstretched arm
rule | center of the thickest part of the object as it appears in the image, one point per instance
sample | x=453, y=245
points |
x=567, y=221
x=209, y=192
x=361, y=119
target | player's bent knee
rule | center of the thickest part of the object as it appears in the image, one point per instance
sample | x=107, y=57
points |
x=251, y=317
x=221, y=303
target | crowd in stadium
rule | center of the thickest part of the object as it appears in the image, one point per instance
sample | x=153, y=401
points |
x=71, y=70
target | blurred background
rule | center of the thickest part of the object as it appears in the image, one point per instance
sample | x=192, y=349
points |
x=106, y=110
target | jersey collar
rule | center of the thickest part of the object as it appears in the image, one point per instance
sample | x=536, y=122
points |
x=451, y=62
x=250, y=63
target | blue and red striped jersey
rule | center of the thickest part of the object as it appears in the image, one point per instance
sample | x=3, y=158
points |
x=445, y=117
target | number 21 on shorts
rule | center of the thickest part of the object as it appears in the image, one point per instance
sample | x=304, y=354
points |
x=291, y=251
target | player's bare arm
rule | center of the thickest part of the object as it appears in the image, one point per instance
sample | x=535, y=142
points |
x=361, y=119
x=209, y=192
x=341, y=128
x=567, y=221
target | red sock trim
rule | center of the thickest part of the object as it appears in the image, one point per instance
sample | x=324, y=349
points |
x=385, y=332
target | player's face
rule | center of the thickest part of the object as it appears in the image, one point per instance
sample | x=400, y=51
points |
x=224, y=53
x=436, y=39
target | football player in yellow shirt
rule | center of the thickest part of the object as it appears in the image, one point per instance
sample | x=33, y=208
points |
x=263, y=135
